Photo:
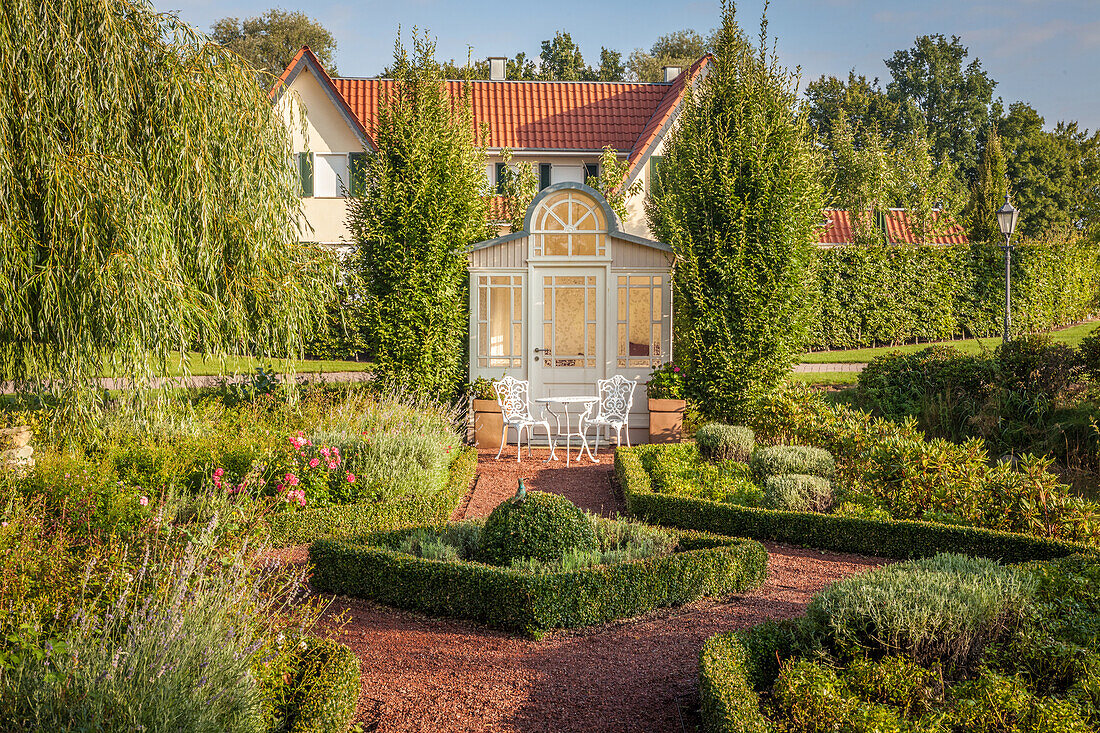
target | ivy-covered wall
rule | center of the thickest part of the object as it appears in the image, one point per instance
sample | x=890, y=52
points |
x=892, y=294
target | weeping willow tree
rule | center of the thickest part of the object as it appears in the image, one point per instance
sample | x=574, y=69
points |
x=149, y=206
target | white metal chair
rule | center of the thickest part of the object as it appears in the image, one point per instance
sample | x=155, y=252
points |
x=513, y=396
x=616, y=398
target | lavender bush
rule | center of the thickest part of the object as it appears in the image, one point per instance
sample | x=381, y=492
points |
x=175, y=650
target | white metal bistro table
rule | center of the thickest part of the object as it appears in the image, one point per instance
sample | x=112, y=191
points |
x=566, y=402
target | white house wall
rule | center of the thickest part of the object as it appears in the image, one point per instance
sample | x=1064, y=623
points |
x=324, y=219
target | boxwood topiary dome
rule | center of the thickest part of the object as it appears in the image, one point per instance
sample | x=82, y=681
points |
x=541, y=526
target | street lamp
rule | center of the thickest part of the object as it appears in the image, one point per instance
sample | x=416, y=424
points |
x=1006, y=220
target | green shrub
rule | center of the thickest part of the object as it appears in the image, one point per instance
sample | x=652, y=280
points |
x=541, y=526
x=1001, y=703
x=938, y=384
x=176, y=644
x=797, y=492
x=895, y=681
x=909, y=474
x=879, y=295
x=944, y=608
x=1088, y=356
x=678, y=470
x=718, y=442
x=291, y=528
x=729, y=703
x=815, y=699
x=533, y=602
x=316, y=690
x=775, y=460
x=883, y=537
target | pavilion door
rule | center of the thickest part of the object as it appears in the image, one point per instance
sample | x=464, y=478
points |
x=568, y=321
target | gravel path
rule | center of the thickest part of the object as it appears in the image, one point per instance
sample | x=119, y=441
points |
x=444, y=675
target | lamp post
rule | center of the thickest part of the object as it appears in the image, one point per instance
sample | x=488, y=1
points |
x=1006, y=220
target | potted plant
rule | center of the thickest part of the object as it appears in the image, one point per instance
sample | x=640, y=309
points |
x=665, y=391
x=487, y=418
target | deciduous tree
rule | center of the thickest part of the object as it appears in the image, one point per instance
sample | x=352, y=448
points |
x=680, y=48
x=269, y=41
x=740, y=199
x=941, y=99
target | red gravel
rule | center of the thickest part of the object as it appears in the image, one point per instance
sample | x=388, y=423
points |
x=441, y=675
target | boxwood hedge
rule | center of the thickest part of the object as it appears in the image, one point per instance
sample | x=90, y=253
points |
x=532, y=603
x=355, y=519
x=886, y=538
x=319, y=690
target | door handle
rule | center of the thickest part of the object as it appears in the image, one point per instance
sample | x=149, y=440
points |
x=542, y=351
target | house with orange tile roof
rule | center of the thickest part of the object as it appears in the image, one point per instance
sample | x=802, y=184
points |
x=559, y=128
x=577, y=294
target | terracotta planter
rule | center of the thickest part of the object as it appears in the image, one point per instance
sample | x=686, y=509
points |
x=666, y=420
x=487, y=423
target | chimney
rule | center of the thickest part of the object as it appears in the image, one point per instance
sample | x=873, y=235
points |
x=671, y=72
x=498, y=68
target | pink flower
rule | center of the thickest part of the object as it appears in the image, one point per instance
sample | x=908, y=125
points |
x=315, y=463
x=219, y=471
x=675, y=369
x=324, y=452
x=291, y=479
x=3, y=524
x=332, y=464
x=351, y=478
x=144, y=501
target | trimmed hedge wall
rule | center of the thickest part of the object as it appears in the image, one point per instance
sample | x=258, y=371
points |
x=729, y=702
x=355, y=519
x=885, y=538
x=874, y=295
x=532, y=603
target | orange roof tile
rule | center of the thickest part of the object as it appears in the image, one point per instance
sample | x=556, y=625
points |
x=838, y=229
x=536, y=115
x=526, y=115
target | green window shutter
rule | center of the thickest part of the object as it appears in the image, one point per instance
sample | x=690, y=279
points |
x=305, y=172
x=357, y=172
x=655, y=162
x=544, y=175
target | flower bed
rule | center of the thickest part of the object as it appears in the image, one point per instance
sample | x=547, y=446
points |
x=530, y=598
x=882, y=537
x=945, y=644
x=292, y=528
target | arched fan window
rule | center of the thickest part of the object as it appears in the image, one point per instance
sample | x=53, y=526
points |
x=568, y=223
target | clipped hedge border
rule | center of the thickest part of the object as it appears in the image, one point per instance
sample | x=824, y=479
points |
x=729, y=702
x=532, y=603
x=348, y=520
x=886, y=538
x=328, y=677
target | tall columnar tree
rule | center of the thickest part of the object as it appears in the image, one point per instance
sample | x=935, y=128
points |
x=739, y=202
x=987, y=194
x=423, y=205
x=147, y=202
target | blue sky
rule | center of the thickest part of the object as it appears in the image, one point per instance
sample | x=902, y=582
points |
x=1046, y=52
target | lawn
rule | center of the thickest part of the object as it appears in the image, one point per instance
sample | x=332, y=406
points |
x=1071, y=336
x=846, y=378
x=196, y=366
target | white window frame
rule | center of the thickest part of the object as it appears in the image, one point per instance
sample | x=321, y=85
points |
x=322, y=179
